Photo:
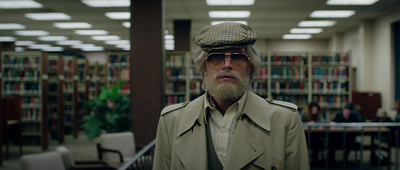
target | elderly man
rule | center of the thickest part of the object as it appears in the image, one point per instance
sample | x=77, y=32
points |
x=229, y=127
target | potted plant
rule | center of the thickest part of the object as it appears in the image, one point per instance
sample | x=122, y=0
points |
x=109, y=112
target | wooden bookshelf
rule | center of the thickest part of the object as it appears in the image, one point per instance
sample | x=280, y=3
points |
x=82, y=92
x=25, y=76
x=118, y=69
x=70, y=90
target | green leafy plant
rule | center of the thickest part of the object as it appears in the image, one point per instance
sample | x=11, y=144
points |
x=109, y=112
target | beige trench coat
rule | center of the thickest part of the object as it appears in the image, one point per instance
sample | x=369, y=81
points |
x=269, y=135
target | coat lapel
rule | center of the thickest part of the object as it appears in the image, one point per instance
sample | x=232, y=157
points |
x=243, y=149
x=191, y=140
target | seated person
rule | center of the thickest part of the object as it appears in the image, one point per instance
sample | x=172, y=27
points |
x=347, y=115
x=312, y=114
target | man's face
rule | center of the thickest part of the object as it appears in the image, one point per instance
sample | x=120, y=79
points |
x=227, y=82
x=346, y=113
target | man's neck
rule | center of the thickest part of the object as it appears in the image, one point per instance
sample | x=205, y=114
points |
x=222, y=105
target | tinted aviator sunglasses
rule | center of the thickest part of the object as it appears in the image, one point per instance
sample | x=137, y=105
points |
x=217, y=60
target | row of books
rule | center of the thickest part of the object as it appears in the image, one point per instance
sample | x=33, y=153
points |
x=175, y=61
x=119, y=60
x=118, y=74
x=290, y=87
x=335, y=60
x=333, y=101
x=195, y=87
x=21, y=75
x=31, y=115
x=22, y=88
x=21, y=62
x=68, y=64
x=300, y=101
x=330, y=87
x=288, y=60
x=175, y=87
x=330, y=73
x=174, y=99
x=53, y=64
x=68, y=87
x=30, y=102
x=259, y=87
x=175, y=73
x=289, y=73
x=194, y=74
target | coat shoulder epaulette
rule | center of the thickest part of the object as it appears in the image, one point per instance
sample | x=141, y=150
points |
x=283, y=104
x=173, y=107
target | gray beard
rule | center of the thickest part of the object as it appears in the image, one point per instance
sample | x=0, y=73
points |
x=226, y=91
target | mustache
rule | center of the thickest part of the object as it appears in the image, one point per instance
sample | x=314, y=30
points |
x=226, y=74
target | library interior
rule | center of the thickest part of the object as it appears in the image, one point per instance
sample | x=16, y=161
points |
x=87, y=79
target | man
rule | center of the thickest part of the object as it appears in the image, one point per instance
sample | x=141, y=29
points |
x=229, y=127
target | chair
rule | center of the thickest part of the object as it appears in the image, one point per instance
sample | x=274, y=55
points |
x=71, y=163
x=42, y=161
x=116, y=148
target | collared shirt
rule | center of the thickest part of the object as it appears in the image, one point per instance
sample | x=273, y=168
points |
x=222, y=127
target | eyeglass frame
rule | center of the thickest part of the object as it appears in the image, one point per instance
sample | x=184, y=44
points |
x=225, y=59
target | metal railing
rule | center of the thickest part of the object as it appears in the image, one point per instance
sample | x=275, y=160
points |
x=331, y=133
x=142, y=160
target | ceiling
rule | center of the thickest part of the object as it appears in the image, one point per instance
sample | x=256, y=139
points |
x=269, y=18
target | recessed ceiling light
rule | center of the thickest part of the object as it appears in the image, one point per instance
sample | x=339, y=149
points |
x=169, y=37
x=229, y=14
x=69, y=42
x=52, y=38
x=96, y=48
x=91, y=32
x=72, y=25
x=126, y=24
x=48, y=16
x=31, y=33
x=7, y=39
x=115, y=42
x=39, y=46
x=305, y=30
x=296, y=36
x=17, y=4
x=105, y=37
x=351, y=2
x=23, y=43
x=107, y=3
x=11, y=26
x=219, y=22
x=118, y=15
x=317, y=23
x=82, y=45
x=230, y=2
x=332, y=13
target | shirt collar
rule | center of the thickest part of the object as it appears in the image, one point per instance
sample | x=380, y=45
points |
x=209, y=103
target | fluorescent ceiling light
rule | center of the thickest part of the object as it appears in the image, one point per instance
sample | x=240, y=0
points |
x=52, y=38
x=39, y=46
x=118, y=15
x=305, y=30
x=230, y=2
x=107, y=3
x=332, y=13
x=351, y=2
x=48, y=16
x=219, y=22
x=17, y=4
x=229, y=14
x=169, y=37
x=19, y=49
x=317, y=23
x=23, y=43
x=296, y=36
x=31, y=33
x=123, y=45
x=96, y=48
x=105, y=37
x=82, y=45
x=115, y=42
x=126, y=24
x=72, y=25
x=11, y=26
x=7, y=39
x=169, y=41
x=91, y=32
x=52, y=49
x=69, y=42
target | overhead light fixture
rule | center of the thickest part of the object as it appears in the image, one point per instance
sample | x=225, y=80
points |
x=317, y=23
x=7, y=39
x=31, y=33
x=332, y=13
x=18, y=4
x=115, y=42
x=52, y=49
x=351, y=2
x=118, y=15
x=305, y=30
x=69, y=42
x=96, y=48
x=91, y=32
x=24, y=43
x=107, y=3
x=123, y=46
x=72, y=25
x=11, y=26
x=105, y=37
x=48, y=16
x=229, y=14
x=230, y=2
x=219, y=22
x=126, y=24
x=39, y=46
x=52, y=38
x=169, y=37
x=297, y=36
x=79, y=46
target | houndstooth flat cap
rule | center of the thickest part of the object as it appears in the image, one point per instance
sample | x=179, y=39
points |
x=225, y=35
